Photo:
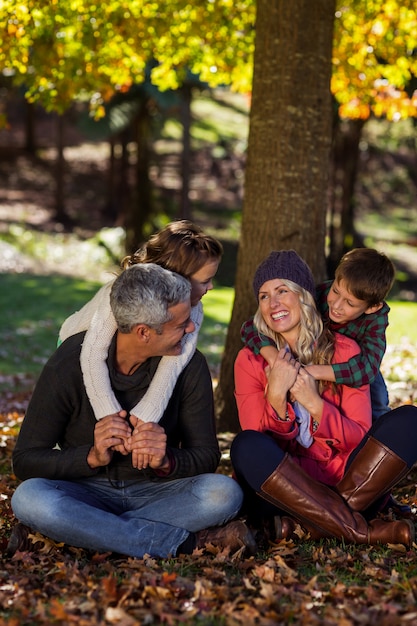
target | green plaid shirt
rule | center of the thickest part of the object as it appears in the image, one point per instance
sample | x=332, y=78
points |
x=367, y=330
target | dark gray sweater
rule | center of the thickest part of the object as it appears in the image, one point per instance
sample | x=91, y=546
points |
x=58, y=429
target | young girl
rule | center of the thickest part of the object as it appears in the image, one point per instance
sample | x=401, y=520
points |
x=181, y=247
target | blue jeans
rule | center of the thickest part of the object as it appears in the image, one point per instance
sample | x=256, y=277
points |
x=379, y=397
x=127, y=517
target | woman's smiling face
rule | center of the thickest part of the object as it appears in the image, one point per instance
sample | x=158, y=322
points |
x=280, y=308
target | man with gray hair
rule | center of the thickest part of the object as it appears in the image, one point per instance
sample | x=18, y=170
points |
x=120, y=484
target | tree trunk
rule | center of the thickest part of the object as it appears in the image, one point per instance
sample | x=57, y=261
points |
x=110, y=211
x=30, y=142
x=141, y=209
x=60, y=213
x=288, y=157
x=121, y=166
x=186, y=97
x=344, y=167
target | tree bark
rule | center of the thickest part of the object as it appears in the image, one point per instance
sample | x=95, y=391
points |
x=30, y=141
x=122, y=181
x=288, y=158
x=60, y=213
x=344, y=167
x=186, y=98
x=110, y=210
x=140, y=210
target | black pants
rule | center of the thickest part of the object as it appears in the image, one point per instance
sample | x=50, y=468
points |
x=256, y=455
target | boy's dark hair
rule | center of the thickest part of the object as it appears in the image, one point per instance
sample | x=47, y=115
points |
x=368, y=274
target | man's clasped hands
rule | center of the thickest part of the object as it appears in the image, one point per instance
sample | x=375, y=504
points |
x=145, y=440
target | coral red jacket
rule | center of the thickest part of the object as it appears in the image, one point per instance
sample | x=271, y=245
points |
x=346, y=416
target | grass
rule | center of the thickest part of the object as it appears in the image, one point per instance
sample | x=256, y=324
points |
x=217, y=310
x=34, y=308
x=402, y=326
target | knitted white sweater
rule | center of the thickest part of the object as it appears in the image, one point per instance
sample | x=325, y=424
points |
x=97, y=319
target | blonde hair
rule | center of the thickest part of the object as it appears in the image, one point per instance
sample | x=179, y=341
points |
x=315, y=343
x=181, y=247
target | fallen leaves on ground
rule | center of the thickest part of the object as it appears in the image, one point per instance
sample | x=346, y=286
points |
x=299, y=582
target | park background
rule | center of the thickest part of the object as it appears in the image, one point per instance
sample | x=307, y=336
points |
x=67, y=186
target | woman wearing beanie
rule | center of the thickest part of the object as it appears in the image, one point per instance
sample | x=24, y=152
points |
x=307, y=448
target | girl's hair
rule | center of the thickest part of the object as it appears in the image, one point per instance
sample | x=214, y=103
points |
x=315, y=344
x=181, y=247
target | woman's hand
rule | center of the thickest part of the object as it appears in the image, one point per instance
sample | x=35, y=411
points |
x=304, y=390
x=281, y=377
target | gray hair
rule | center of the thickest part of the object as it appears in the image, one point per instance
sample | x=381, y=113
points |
x=143, y=293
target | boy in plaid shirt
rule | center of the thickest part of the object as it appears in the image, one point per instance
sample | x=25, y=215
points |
x=353, y=305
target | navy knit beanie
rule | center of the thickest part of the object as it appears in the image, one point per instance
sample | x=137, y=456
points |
x=286, y=264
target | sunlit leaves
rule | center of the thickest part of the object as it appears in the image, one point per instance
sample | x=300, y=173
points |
x=375, y=58
x=72, y=48
x=61, y=50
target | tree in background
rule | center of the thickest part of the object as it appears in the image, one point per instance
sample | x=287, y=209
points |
x=288, y=156
x=75, y=50
x=374, y=75
x=69, y=51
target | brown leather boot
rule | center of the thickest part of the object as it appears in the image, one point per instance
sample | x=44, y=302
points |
x=401, y=531
x=284, y=527
x=234, y=535
x=324, y=513
x=373, y=472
